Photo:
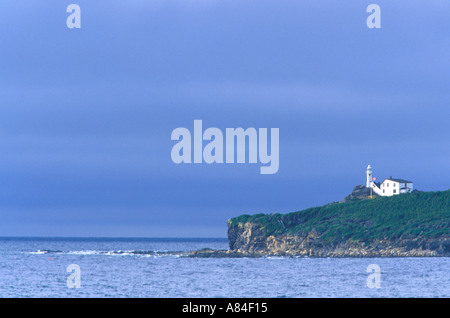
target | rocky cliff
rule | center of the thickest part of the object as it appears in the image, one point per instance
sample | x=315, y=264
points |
x=360, y=192
x=406, y=225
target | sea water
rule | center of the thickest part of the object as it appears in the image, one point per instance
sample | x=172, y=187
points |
x=109, y=267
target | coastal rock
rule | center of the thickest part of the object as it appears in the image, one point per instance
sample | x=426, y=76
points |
x=210, y=253
x=312, y=246
x=360, y=192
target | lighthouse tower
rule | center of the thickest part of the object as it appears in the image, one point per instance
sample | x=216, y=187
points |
x=369, y=176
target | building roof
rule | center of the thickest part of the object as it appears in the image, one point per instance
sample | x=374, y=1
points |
x=398, y=180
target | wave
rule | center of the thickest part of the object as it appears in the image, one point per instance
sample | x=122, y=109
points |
x=142, y=253
x=45, y=252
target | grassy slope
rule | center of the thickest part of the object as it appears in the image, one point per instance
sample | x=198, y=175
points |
x=408, y=215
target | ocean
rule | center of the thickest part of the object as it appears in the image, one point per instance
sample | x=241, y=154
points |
x=137, y=267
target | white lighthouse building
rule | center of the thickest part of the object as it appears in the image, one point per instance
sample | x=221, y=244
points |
x=389, y=187
x=369, y=176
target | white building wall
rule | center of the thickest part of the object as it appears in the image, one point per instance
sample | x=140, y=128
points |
x=391, y=187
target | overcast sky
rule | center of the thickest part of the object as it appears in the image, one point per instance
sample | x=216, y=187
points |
x=86, y=114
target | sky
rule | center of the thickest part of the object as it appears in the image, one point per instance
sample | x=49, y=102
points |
x=86, y=115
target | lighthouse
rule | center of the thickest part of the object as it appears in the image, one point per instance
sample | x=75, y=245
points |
x=387, y=187
x=369, y=176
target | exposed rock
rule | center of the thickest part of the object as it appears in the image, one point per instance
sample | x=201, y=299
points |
x=360, y=192
x=252, y=242
x=210, y=253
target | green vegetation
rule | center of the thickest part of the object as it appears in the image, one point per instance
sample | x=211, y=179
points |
x=422, y=214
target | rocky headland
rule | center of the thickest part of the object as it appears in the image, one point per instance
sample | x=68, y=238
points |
x=407, y=225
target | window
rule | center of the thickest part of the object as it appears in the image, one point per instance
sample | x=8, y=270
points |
x=395, y=191
x=387, y=184
x=383, y=190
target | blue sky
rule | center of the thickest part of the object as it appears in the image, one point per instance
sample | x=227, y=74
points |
x=86, y=115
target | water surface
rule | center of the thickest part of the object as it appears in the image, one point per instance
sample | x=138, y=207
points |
x=37, y=267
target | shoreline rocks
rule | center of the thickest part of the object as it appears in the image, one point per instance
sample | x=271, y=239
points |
x=249, y=239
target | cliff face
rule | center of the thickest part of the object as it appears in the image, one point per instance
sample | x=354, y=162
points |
x=250, y=239
x=411, y=225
